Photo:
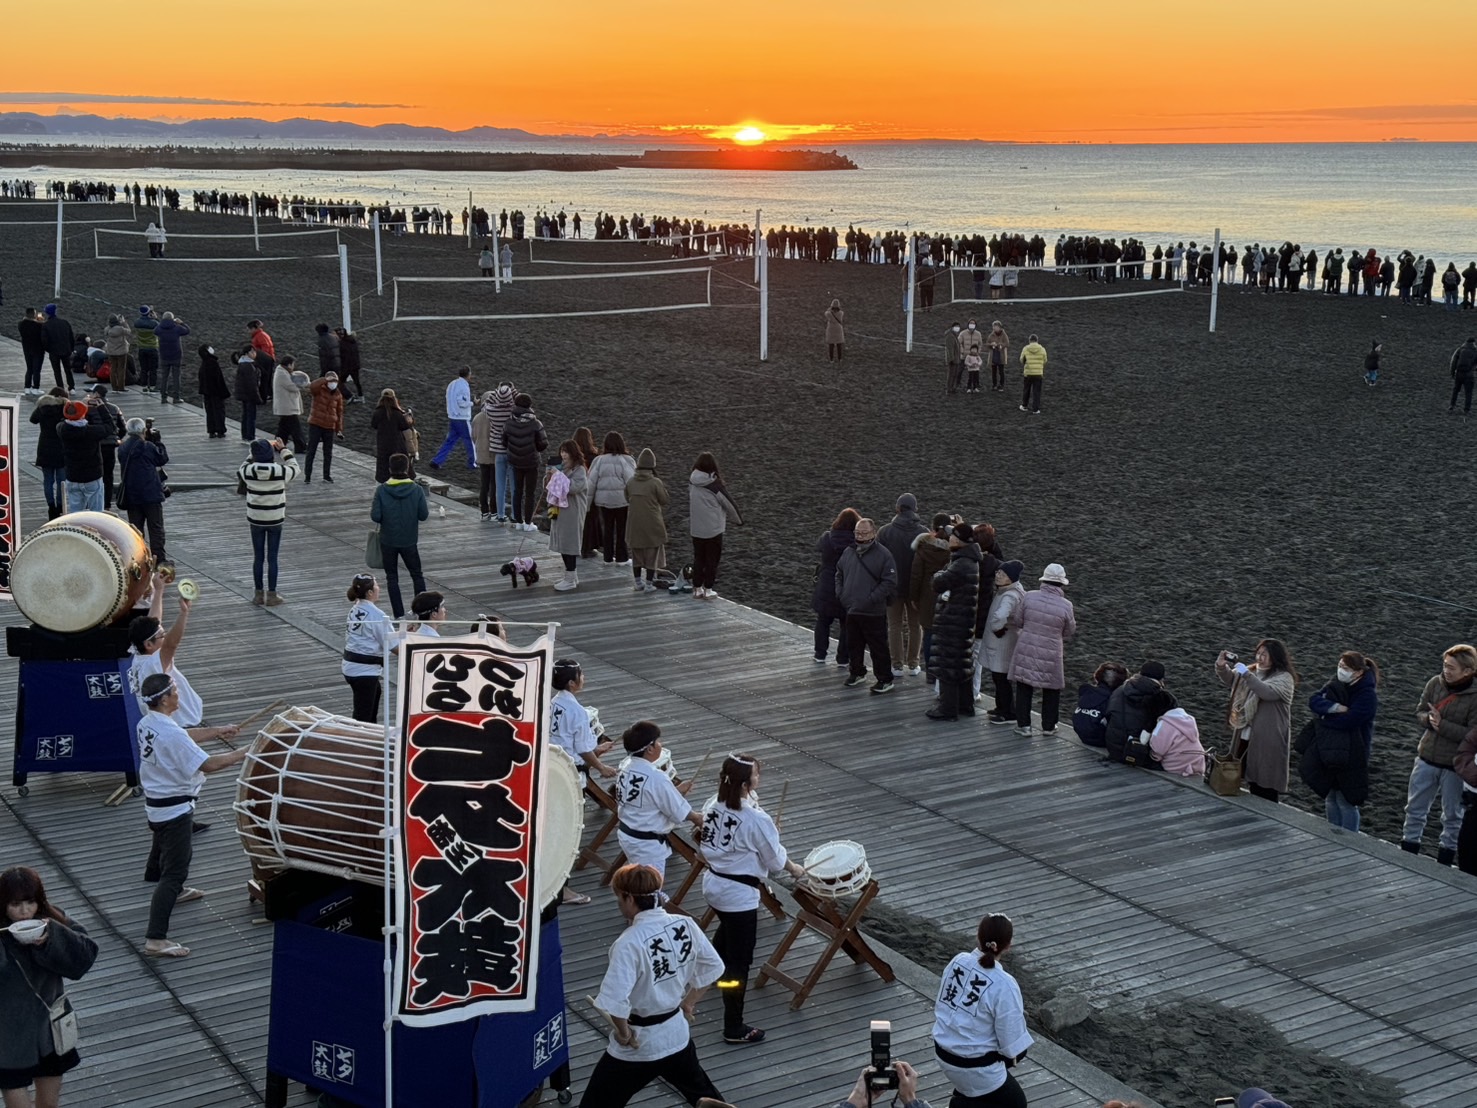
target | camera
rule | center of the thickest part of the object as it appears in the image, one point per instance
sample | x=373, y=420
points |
x=884, y=1073
x=553, y=460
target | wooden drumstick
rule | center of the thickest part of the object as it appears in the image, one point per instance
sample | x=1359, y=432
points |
x=599, y=1009
x=249, y=720
x=702, y=765
x=779, y=810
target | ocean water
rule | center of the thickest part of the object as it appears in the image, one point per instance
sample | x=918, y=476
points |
x=1390, y=196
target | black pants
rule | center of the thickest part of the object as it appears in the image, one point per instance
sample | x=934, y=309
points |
x=997, y=375
x=152, y=516
x=1051, y=703
x=34, y=360
x=412, y=557
x=318, y=435
x=835, y=351
x=486, y=501
x=169, y=864
x=148, y=368
x=61, y=368
x=109, y=456
x=367, y=692
x=590, y=537
x=613, y=1082
x=705, y=556
x=1462, y=384
x=524, y=483
x=1009, y=1095
x=1466, y=843
x=865, y=631
x=346, y=376
x=613, y=534
x=215, y=415
x=1004, y=696
x=1262, y=792
x=290, y=428
x=737, y=934
x=956, y=376
x=956, y=698
x=1031, y=393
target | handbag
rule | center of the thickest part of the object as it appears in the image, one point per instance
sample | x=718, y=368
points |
x=1137, y=753
x=374, y=556
x=60, y=1015
x=1223, y=774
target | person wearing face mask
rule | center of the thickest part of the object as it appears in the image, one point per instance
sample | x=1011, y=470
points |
x=972, y=346
x=998, y=343
x=954, y=356
x=325, y=422
x=1335, y=748
x=1447, y=711
x=1261, y=714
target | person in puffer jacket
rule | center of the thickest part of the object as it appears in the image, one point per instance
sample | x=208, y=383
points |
x=930, y=554
x=957, y=589
x=610, y=471
x=526, y=441
x=709, y=511
x=1000, y=637
x=1046, y=621
x=833, y=543
x=1174, y=744
x=1128, y=708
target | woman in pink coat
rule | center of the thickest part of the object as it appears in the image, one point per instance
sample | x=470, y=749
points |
x=1175, y=742
x=1045, y=621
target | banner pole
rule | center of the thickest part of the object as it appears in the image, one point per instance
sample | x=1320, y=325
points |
x=758, y=240
x=763, y=308
x=391, y=845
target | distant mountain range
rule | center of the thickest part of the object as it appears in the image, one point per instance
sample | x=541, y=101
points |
x=29, y=124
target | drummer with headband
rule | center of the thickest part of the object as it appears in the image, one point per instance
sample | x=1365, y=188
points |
x=154, y=651
x=172, y=769
x=742, y=847
x=572, y=728
x=648, y=804
x=660, y=966
x=429, y=612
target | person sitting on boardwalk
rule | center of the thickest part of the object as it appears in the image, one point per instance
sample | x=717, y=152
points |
x=979, y=1026
x=1174, y=744
x=660, y=966
x=1127, y=713
x=172, y=769
x=649, y=804
x=741, y=846
x=1090, y=720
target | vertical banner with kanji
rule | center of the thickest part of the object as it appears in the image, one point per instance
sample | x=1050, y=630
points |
x=473, y=719
x=10, y=506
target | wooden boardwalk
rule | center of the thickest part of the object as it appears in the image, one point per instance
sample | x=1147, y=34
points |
x=1344, y=943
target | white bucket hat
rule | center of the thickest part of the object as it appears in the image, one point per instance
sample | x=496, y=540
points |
x=1054, y=574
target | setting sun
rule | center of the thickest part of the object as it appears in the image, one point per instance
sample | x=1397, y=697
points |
x=749, y=135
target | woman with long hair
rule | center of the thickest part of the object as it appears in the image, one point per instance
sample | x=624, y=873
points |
x=32, y=967
x=590, y=536
x=369, y=634
x=829, y=548
x=1261, y=714
x=391, y=425
x=709, y=510
x=979, y=1022
x=610, y=472
x=741, y=846
x=568, y=492
x=1335, y=764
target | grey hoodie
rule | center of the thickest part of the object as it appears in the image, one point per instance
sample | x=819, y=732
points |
x=708, y=509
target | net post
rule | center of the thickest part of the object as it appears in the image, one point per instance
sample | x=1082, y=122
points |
x=763, y=305
x=758, y=240
x=1215, y=277
x=908, y=296
x=256, y=232
x=471, y=218
x=58, y=290
x=343, y=282
x=379, y=268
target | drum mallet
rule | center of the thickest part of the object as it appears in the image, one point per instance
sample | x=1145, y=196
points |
x=779, y=809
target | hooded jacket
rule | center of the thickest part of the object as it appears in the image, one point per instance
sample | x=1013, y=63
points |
x=646, y=525
x=956, y=591
x=82, y=446
x=328, y=352
x=1464, y=361
x=930, y=554
x=709, y=507
x=1033, y=358
x=499, y=410
x=287, y=396
x=525, y=439
x=46, y=415
x=139, y=461
x=1001, y=633
x=212, y=377
x=1128, y=713
x=829, y=548
x=170, y=331
x=866, y=579
x=1175, y=744
x=348, y=356
x=246, y=381
x=115, y=340
x=399, y=507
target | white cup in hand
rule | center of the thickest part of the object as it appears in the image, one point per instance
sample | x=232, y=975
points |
x=28, y=931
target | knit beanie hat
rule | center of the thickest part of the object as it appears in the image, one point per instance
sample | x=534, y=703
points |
x=50, y=309
x=523, y=401
x=1013, y=570
x=907, y=503
x=646, y=459
x=74, y=411
x=261, y=450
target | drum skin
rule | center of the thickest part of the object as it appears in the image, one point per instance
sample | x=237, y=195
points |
x=80, y=571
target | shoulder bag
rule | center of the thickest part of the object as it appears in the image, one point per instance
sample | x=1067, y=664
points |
x=1223, y=774
x=374, y=556
x=60, y=1015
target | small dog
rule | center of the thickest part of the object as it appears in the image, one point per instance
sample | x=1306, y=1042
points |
x=526, y=568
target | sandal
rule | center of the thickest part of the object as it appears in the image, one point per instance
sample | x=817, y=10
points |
x=576, y=898
x=173, y=950
x=187, y=895
x=748, y=1035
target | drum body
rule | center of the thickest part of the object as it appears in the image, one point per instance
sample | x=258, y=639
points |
x=837, y=868
x=80, y=571
x=311, y=796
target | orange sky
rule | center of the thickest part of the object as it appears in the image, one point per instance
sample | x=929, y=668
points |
x=820, y=70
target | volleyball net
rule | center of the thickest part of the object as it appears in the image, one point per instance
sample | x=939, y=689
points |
x=437, y=299
x=276, y=246
x=652, y=249
x=986, y=284
x=42, y=213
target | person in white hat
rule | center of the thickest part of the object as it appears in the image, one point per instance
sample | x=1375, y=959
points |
x=1046, y=621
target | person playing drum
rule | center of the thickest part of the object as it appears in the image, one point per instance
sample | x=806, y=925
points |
x=570, y=726
x=429, y=612
x=742, y=846
x=172, y=769
x=648, y=803
x=659, y=967
x=979, y=1026
x=368, y=635
x=154, y=651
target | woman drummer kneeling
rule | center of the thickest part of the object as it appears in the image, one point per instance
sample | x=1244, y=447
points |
x=742, y=847
x=659, y=967
x=979, y=1026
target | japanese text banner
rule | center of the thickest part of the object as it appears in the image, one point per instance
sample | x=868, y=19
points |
x=473, y=719
x=10, y=518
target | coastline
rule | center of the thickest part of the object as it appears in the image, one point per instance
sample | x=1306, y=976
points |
x=374, y=161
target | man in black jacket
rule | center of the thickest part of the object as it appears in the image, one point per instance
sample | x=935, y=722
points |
x=59, y=343
x=82, y=431
x=866, y=579
x=1128, y=708
x=904, y=631
x=33, y=349
x=142, y=455
x=1463, y=367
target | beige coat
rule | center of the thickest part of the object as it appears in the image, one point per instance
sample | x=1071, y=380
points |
x=1266, y=711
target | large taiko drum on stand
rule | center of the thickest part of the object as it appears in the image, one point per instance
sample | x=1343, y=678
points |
x=80, y=571
x=311, y=796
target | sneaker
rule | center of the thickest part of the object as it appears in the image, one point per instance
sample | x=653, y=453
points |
x=747, y=1035
x=711, y=594
x=1048, y=730
x=842, y=662
x=486, y=517
x=327, y=479
x=882, y=687
x=648, y=586
x=1024, y=408
x=1024, y=732
x=997, y=720
x=899, y=671
x=914, y=671
x=854, y=681
x=640, y=586
x=819, y=661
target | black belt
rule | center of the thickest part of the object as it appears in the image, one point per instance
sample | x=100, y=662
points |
x=1428, y=762
x=363, y=659
x=167, y=801
x=652, y=1021
x=981, y=1062
x=650, y=836
x=741, y=878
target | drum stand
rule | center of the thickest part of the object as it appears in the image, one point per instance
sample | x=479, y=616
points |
x=590, y=855
x=823, y=915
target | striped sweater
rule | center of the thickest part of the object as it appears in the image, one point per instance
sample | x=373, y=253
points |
x=266, y=489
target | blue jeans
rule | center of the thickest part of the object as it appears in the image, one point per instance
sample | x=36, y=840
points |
x=85, y=496
x=503, y=485
x=55, y=481
x=248, y=420
x=459, y=431
x=1425, y=781
x=264, y=544
x=1340, y=812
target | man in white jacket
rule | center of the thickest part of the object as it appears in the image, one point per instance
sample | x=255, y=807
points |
x=458, y=418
